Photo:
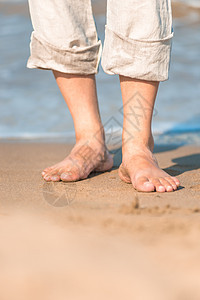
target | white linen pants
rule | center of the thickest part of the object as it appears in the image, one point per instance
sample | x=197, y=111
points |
x=138, y=37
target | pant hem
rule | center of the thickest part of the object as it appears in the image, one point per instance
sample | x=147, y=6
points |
x=79, y=60
x=139, y=59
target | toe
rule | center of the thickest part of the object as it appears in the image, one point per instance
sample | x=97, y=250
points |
x=55, y=178
x=45, y=171
x=166, y=184
x=177, y=182
x=47, y=178
x=158, y=185
x=172, y=182
x=69, y=177
x=143, y=184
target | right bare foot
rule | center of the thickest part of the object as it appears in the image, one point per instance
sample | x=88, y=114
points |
x=139, y=167
x=84, y=158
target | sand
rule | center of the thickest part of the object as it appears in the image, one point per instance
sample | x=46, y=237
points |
x=97, y=238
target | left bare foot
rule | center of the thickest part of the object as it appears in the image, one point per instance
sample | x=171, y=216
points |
x=84, y=158
x=141, y=169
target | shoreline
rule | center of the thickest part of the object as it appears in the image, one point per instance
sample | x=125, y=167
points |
x=173, y=138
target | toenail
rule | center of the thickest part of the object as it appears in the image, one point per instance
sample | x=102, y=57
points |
x=54, y=177
x=176, y=181
x=161, y=188
x=169, y=188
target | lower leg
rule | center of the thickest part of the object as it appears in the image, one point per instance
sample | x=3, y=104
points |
x=89, y=153
x=139, y=165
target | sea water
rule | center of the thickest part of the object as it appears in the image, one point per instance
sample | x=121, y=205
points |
x=31, y=106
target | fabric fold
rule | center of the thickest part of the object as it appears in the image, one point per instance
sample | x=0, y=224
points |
x=74, y=60
x=140, y=59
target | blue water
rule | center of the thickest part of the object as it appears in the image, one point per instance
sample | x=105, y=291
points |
x=32, y=107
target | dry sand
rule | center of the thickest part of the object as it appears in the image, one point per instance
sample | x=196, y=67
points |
x=97, y=238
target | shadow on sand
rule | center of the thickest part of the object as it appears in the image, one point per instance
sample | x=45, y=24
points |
x=181, y=164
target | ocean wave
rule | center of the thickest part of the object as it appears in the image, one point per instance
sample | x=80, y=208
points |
x=178, y=137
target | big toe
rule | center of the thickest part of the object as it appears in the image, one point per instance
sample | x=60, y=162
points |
x=46, y=171
x=69, y=176
x=55, y=177
x=143, y=184
x=52, y=176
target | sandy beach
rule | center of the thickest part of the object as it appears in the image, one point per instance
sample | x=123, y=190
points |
x=97, y=238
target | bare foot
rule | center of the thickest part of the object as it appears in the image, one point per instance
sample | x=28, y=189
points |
x=141, y=169
x=84, y=158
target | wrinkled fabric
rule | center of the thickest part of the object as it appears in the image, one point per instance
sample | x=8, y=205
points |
x=138, y=37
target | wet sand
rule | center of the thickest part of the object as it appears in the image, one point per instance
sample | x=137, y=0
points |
x=181, y=10
x=97, y=238
x=99, y=7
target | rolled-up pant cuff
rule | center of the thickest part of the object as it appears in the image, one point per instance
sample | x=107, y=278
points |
x=80, y=60
x=139, y=59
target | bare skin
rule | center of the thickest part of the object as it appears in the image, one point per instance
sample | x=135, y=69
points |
x=139, y=165
x=90, y=153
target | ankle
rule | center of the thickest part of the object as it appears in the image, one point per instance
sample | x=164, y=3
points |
x=137, y=144
x=90, y=149
x=93, y=134
x=92, y=138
